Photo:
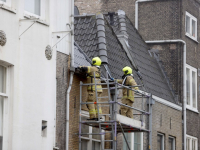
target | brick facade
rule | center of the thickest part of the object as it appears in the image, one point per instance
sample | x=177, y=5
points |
x=166, y=120
x=193, y=55
x=61, y=77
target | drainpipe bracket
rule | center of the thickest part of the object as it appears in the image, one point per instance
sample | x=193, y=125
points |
x=151, y=102
x=72, y=69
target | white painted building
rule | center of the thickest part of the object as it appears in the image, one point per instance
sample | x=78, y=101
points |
x=27, y=77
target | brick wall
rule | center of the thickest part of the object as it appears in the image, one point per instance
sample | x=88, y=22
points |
x=162, y=115
x=193, y=55
x=160, y=20
x=61, y=76
x=171, y=57
x=74, y=111
x=94, y=6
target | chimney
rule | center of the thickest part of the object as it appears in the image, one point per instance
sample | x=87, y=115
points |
x=122, y=25
x=101, y=38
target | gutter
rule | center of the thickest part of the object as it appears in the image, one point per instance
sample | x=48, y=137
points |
x=184, y=79
x=71, y=75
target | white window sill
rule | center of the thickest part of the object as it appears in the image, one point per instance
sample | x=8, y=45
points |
x=28, y=16
x=191, y=37
x=192, y=109
x=8, y=8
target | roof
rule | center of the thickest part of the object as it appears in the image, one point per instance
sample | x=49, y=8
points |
x=79, y=58
x=153, y=78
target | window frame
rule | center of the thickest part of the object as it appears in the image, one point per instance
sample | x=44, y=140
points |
x=5, y=95
x=190, y=106
x=132, y=141
x=191, y=18
x=174, y=141
x=191, y=138
x=42, y=15
x=163, y=140
x=7, y=3
x=5, y=100
x=90, y=139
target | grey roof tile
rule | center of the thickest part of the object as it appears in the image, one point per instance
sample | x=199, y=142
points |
x=86, y=37
x=79, y=58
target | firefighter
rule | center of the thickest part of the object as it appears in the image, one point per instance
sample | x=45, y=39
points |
x=128, y=95
x=91, y=95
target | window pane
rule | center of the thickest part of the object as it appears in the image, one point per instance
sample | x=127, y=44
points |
x=187, y=24
x=193, y=28
x=33, y=6
x=84, y=128
x=95, y=145
x=84, y=144
x=96, y=130
x=194, y=89
x=137, y=141
x=2, y=79
x=188, y=144
x=128, y=138
x=193, y=145
x=159, y=142
x=188, y=85
x=171, y=143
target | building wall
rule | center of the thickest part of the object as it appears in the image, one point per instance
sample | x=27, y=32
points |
x=95, y=6
x=171, y=58
x=32, y=92
x=61, y=78
x=162, y=115
x=193, y=54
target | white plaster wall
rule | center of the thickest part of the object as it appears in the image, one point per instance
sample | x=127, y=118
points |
x=32, y=90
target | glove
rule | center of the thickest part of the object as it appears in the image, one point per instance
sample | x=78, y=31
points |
x=112, y=79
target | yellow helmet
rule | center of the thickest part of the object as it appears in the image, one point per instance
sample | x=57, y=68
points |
x=127, y=70
x=96, y=61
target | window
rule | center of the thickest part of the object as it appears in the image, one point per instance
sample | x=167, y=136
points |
x=33, y=6
x=138, y=141
x=2, y=95
x=191, y=143
x=6, y=2
x=90, y=142
x=135, y=141
x=160, y=141
x=191, y=87
x=191, y=26
x=36, y=8
x=129, y=139
x=171, y=142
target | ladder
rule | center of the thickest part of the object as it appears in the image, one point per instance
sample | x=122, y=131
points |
x=112, y=125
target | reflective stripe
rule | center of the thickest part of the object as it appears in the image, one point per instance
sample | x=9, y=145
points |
x=100, y=111
x=92, y=111
x=99, y=88
x=89, y=69
x=128, y=97
x=136, y=88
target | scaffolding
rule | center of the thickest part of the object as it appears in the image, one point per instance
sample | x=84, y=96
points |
x=113, y=125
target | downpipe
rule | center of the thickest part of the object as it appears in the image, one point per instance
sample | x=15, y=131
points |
x=71, y=75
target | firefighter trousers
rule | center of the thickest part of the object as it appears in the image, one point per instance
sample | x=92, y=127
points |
x=125, y=111
x=93, y=107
